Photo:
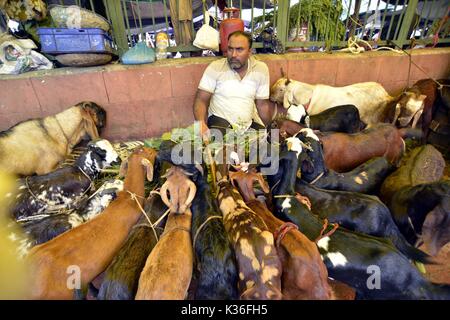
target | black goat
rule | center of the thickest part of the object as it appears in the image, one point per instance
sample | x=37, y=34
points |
x=215, y=272
x=65, y=188
x=350, y=256
x=411, y=206
x=343, y=118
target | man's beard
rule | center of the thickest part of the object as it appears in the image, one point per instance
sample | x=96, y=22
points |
x=235, y=64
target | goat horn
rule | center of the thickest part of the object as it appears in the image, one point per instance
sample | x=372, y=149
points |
x=191, y=195
x=282, y=73
x=163, y=193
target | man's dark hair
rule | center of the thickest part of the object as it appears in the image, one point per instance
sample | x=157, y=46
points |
x=242, y=33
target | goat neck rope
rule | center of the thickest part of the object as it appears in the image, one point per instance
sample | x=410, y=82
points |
x=329, y=233
x=69, y=144
x=279, y=234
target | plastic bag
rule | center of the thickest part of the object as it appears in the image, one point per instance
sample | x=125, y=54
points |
x=207, y=37
x=17, y=56
x=139, y=54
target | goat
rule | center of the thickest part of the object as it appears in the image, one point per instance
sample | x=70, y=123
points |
x=411, y=206
x=43, y=229
x=343, y=118
x=39, y=145
x=168, y=269
x=65, y=188
x=366, y=178
x=259, y=266
x=344, y=152
x=122, y=275
x=370, y=98
x=354, y=211
x=304, y=275
x=106, y=233
x=350, y=256
x=215, y=274
x=439, y=125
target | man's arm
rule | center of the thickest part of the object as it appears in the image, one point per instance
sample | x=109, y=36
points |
x=265, y=110
x=201, y=105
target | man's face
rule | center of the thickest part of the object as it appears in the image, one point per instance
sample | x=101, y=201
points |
x=238, y=52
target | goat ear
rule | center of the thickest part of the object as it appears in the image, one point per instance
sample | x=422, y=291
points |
x=89, y=124
x=149, y=168
x=123, y=168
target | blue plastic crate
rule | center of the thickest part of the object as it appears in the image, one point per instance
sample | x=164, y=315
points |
x=63, y=40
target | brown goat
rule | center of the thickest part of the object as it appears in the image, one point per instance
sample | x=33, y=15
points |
x=304, y=273
x=89, y=248
x=168, y=270
x=258, y=262
x=344, y=152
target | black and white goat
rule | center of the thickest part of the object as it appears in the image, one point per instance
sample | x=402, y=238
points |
x=65, y=188
x=38, y=231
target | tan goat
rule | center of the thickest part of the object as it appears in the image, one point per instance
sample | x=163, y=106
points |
x=86, y=250
x=39, y=145
x=304, y=273
x=168, y=270
x=256, y=255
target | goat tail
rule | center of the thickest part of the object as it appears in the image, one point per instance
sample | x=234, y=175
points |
x=414, y=133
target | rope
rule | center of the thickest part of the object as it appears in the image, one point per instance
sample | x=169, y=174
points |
x=329, y=233
x=69, y=145
x=201, y=227
x=281, y=232
x=436, y=35
x=134, y=197
x=353, y=47
x=317, y=178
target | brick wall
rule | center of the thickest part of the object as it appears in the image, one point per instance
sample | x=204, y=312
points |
x=147, y=100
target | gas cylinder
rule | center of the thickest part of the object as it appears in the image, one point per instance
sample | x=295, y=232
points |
x=230, y=23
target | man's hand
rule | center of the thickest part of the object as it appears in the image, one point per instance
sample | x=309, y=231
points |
x=204, y=132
